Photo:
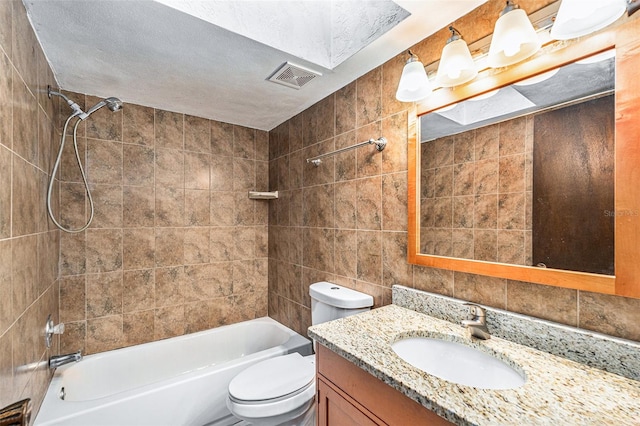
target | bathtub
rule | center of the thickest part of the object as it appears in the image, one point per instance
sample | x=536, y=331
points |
x=177, y=381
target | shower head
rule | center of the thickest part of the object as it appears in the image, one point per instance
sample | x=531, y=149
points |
x=114, y=104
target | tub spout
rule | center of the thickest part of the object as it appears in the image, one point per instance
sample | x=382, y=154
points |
x=60, y=360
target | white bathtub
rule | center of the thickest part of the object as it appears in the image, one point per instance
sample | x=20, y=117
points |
x=178, y=381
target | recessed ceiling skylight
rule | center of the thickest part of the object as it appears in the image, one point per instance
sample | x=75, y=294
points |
x=307, y=29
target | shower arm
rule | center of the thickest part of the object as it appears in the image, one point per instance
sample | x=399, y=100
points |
x=77, y=111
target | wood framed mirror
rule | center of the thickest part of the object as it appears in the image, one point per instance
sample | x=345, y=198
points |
x=625, y=280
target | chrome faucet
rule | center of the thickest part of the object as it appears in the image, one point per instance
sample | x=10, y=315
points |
x=476, y=322
x=56, y=361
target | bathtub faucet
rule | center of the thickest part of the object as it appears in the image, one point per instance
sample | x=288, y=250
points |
x=56, y=361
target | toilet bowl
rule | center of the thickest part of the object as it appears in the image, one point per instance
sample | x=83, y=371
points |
x=281, y=390
x=275, y=392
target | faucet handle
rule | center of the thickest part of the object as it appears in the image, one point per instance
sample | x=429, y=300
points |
x=476, y=322
x=475, y=311
x=50, y=328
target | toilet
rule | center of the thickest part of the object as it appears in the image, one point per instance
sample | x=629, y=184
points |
x=281, y=390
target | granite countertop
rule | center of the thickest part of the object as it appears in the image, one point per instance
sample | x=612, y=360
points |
x=557, y=390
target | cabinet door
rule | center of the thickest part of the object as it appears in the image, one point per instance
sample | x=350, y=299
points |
x=334, y=410
x=378, y=402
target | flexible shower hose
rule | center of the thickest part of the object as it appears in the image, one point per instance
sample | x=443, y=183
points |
x=55, y=170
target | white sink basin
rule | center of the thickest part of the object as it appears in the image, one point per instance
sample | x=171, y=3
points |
x=457, y=363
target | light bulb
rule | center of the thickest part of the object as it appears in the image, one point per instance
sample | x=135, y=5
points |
x=511, y=48
x=454, y=74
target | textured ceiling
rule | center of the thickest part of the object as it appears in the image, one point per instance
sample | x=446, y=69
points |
x=212, y=58
x=323, y=33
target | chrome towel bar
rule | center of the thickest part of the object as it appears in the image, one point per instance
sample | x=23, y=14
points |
x=380, y=144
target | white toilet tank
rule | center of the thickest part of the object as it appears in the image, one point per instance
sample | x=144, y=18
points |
x=330, y=301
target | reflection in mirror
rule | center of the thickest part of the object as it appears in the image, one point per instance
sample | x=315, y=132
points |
x=525, y=176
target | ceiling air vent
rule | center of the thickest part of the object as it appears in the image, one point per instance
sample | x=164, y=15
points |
x=294, y=76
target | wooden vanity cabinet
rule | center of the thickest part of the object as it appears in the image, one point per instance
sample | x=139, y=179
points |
x=349, y=396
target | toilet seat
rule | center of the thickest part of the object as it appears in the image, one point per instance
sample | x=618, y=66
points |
x=273, y=387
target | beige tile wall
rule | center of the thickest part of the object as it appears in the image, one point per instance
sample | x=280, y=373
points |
x=346, y=221
x=175, y=246
x=28, y=242
x=476, y=194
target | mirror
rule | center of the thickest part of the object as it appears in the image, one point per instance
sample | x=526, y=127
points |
x=525, y=174
x=625, y=39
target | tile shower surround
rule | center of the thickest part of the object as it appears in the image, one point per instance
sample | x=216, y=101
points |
x=29, y=243
x=175, y=246
x=346, y=221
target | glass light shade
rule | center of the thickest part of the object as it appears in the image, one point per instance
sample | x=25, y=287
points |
x=514, y=39
x=577, y=18
x=414, y=84
x=456, y=64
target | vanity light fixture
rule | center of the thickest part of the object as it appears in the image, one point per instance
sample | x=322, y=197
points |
x=456, y=64
x=514, y=38
x=577, y=18
x=414, y=84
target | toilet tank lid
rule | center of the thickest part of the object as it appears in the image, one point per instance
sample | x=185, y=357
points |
x=338, y=296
